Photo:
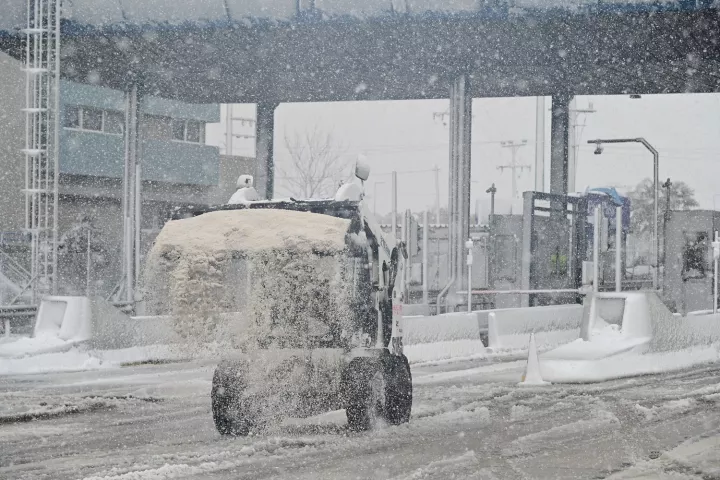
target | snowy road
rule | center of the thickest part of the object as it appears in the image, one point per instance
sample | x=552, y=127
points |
x=470, y=420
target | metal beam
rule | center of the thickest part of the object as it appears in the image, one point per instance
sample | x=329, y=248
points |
x=265, y=166
x=460, y=112
x=132, y=196
x=540, y=144
x=559, y=148
x=460, y=149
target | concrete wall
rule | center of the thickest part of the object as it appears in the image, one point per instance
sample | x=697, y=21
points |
x=691, y=290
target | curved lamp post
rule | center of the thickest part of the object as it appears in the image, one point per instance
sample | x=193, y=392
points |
x=656, y=183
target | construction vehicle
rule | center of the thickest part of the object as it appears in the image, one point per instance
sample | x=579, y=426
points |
x=354, y=361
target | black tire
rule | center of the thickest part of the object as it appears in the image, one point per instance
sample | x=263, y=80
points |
x=363, y=384
x=226, y=395
x=398, y=389
x=377, y=390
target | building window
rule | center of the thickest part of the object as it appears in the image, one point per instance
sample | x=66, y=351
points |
x=179, y=130
x=72, y=117
x=94, y=119
x=188, y=131
x=157, y=127
x=114, y=123
x=192, y=132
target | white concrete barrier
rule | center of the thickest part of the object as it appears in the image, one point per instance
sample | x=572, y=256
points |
x=440, y=328
x=632, y=333
x=552, y=325
x=67, y=318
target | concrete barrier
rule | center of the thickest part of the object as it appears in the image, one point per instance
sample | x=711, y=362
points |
x=632, y=333
x=552, y=325
x=440, y=328
x=67, y=318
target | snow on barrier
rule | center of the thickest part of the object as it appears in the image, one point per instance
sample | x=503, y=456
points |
x=632, y=333
x=67, y=318
x=61, y=323
x=509, y=329
x=440, y=328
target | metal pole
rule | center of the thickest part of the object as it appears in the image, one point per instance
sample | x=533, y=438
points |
x=596, y=249
x=469, y=246
x=426, y=241
x=229, y=130
x=394, y=205
x=138, y=195
x=656, y=182
x=716, y=256
x=540, y=144
x=490, y=245
x=129, y=186
x=406, y=264
x=437, y=195
x=618, y=248
x=656, y=186
x=56, y=151
x=87, y=266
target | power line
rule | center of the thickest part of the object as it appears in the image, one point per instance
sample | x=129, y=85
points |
x=513, y=166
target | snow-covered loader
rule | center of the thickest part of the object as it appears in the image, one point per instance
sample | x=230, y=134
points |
x=313, y=282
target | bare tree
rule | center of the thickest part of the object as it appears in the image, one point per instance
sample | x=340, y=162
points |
x=316, y=165
x=682, y=197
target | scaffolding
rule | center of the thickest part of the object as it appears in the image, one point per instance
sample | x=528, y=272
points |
x=42, y=110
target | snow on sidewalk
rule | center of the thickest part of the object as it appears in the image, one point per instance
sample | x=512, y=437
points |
x=78, y=358
x=44, y=343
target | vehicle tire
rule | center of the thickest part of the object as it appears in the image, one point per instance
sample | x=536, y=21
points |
x=377, y=390
x=398, y=389
x=226, y=395
x=364, y=390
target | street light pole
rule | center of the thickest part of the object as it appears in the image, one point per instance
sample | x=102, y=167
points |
x=656, y=186
x=491, y=237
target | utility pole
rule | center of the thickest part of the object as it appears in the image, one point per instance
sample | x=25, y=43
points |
x=491, y=237
x=437, y=195
x=513, y=166
x=576, y=130
x=540, y=144
x=666, y=218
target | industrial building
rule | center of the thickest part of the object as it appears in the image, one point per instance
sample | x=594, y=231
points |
x=178, y=169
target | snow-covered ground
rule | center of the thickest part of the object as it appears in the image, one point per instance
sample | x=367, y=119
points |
x=76, y=357
x=470, y=420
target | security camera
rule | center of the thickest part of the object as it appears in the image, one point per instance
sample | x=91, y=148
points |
x=599, y=149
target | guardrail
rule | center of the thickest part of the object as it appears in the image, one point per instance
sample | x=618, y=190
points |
x=17, y=316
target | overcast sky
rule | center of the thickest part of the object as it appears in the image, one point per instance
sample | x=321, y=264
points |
x=405, y=136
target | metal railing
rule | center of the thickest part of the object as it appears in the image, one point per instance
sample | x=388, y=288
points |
x=17, y=315
x=16, y=274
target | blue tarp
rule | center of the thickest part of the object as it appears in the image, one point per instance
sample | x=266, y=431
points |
x=608, y=199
